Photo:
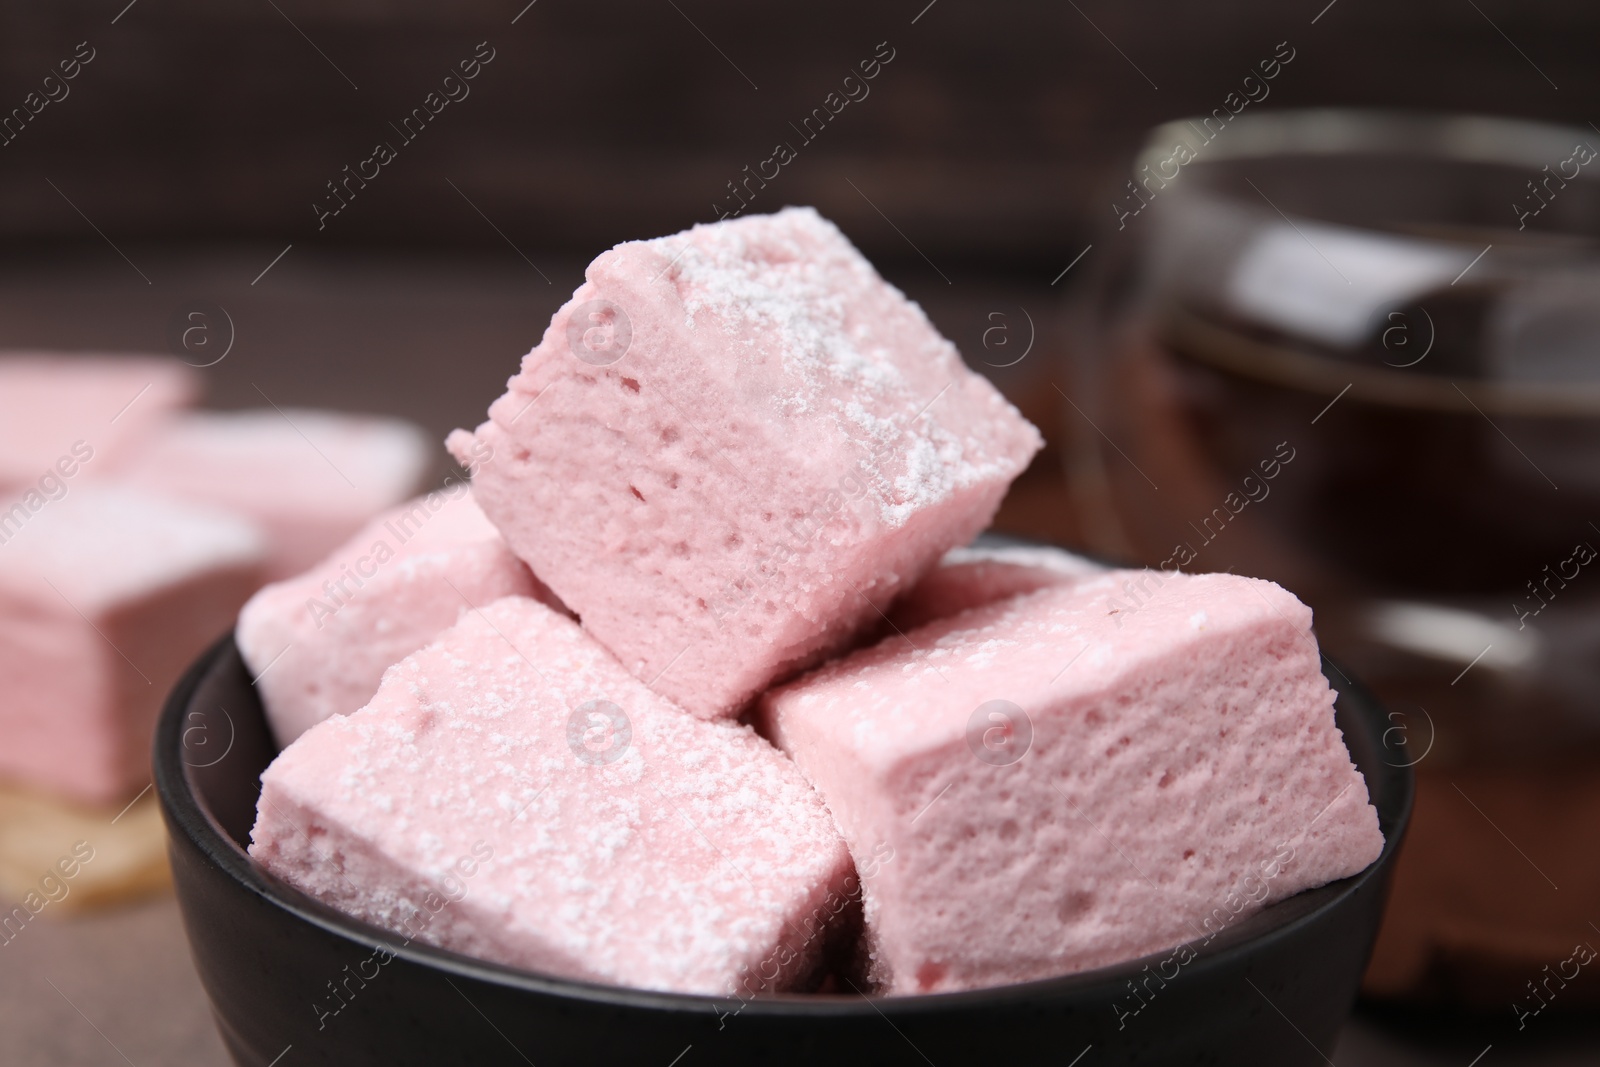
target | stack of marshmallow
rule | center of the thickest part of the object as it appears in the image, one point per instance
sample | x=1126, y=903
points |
x=760, y=723
x=131, y=530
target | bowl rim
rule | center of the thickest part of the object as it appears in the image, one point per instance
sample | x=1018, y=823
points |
x=186, y=815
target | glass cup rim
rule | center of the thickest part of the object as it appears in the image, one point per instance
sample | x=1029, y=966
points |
x=1445, y=136
x=1351, y=132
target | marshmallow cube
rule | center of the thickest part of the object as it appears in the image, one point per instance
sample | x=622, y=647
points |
x=1065, y=783
x=318, y=644
x=106, y=595
x=734, y=447
x=64, y=417
x=512, y=793
x=311, y=479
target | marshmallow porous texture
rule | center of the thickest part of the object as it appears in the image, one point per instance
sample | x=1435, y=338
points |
x=1068, y=779
x=733, y=447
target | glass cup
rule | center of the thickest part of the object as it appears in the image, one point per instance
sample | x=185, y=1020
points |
x=1356, y=353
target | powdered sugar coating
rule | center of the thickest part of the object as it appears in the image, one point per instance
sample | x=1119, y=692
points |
x=785, y=444
x=682, y=861
x=318, y=644
x=1176, y=752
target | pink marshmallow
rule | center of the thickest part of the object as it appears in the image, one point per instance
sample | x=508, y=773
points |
x=66, y=416
x=970, y=577
x=318, y=644
x=310, y=478
x=732, y=446
x=1068, y=779
x=512, y=793
x=106, y=596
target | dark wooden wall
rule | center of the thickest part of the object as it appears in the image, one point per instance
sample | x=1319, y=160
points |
x=990, y=138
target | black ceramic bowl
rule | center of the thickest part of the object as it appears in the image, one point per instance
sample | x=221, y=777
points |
x=1272, y=990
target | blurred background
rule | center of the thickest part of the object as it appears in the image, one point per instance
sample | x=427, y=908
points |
x=221, y=158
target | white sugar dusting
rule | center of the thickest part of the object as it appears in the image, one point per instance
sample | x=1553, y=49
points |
x=781, y=276
x=621, y=865
x=791, y=281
